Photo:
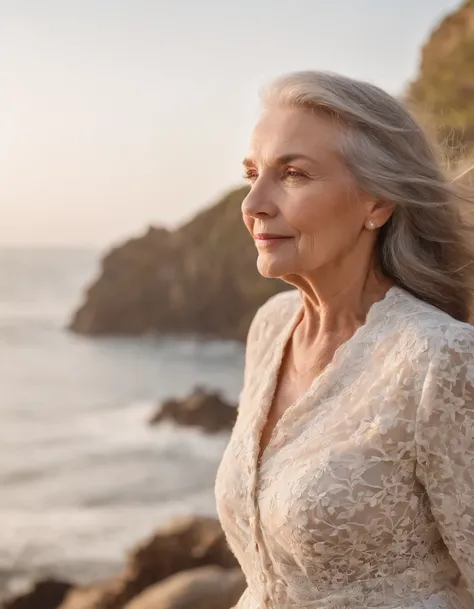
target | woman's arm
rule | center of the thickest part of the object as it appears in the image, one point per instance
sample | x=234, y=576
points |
x=445, y=445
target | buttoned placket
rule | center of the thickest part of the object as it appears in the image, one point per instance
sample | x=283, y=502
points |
x=258, y=537
x=271, y=380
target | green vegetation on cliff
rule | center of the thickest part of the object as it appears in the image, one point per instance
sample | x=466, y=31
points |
x=445, y=84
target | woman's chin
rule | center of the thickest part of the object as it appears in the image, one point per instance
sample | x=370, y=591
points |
x=272, y=268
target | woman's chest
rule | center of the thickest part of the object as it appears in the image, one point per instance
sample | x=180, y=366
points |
x=344, y=444
x=289, y=388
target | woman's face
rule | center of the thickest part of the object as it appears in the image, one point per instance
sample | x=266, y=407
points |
x=303, y=210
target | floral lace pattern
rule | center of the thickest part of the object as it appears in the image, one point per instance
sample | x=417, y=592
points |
x=364, y=495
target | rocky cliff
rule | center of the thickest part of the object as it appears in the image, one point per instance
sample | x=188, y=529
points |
x=445, y=84
x=200, y=279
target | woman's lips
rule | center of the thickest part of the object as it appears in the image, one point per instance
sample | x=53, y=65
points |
x=266, y=239
x=268, y=236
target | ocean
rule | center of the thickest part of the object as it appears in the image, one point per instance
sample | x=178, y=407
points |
x=83, y=478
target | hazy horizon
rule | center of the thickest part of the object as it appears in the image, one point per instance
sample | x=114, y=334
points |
x=115, y=115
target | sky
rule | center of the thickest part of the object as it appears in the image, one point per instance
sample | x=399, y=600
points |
x=118, y=114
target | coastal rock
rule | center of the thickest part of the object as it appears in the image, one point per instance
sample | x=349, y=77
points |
x=181, y=544
x=44, y=594
x=200, y=409
x=200, y=279
x=204, y=588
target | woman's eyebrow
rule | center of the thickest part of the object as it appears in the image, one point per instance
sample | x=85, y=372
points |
x=284, y=159
x=247, y=162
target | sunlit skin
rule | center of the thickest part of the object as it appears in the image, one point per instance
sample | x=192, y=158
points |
x=308, y=219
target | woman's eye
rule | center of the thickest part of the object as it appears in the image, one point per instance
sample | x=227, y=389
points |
x=251, y=175
x=293, y=173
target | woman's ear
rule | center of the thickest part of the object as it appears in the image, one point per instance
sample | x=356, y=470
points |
x=379, y=212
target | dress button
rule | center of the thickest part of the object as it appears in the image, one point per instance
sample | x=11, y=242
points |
x=263, y=579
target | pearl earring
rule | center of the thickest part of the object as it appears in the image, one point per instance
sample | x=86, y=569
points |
x=370, y=225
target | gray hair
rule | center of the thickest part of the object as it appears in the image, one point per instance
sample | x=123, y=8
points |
x=425, y=245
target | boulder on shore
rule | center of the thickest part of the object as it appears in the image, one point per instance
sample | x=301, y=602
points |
x=44, y=594
x=182, y=544
x=201, y=408
x=203, y=588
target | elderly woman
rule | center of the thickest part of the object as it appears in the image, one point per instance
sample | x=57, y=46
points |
x=348, y=481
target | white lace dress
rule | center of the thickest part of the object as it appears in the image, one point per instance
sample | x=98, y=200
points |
x=364, y=496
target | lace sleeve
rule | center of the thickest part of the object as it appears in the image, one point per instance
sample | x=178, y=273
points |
x=445, y=445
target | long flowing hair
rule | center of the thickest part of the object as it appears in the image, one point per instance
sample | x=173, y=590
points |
x=426, y=246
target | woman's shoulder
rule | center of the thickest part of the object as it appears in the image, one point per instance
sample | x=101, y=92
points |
x=274, y=315
x=439, y=331
x=280, y=306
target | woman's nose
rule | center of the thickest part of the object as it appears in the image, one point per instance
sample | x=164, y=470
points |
x=257, y=205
